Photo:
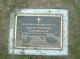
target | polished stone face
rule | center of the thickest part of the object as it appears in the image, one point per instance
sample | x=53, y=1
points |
x=41, y=32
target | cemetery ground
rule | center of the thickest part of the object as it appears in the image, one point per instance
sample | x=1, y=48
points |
x=73, y=6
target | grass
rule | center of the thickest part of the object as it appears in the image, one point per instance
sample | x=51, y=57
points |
x=8, y=6
x=77, y=7
x=67, y=1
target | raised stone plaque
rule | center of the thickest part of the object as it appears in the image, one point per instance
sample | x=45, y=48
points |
x=38, y=30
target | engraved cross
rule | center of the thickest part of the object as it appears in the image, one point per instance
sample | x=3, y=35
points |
x=38, y=19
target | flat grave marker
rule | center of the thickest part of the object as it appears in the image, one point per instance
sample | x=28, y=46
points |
x=39, y=32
